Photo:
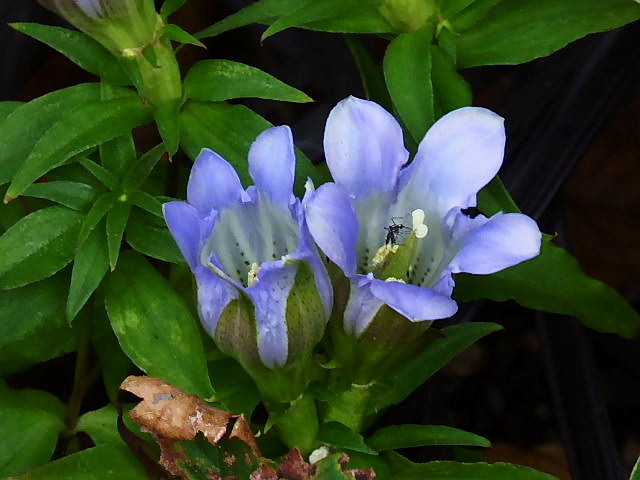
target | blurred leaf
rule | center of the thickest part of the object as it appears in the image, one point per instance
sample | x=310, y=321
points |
x=105, y=462
x=635, y=473
x=21, y=129
x=404, y=469
x=218, y=80
x=555, y=282
x=230, y=130
x=101, y=425
x=152, y=237
x=340, y=436
x=117, y=219
x=518, y=31
x=343, y=16
x=8, y=107
x=34, y=327
x=98, y=210
x=38, y=246
x=142, y=168
x=448, y=8
x=170, y=6
x=494, y=198
x=372, y=78
x=28, y=438
x=79, y=48
x=177, y=34
x=404, y=379
x=406, y=436
x=450, y=90
x=407, y=71
x=75, y=195
x=155, y=327
x=473, y=13
x=85, y=127
x=89, y=268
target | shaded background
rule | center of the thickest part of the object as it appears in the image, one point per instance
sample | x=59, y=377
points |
x=546, y=391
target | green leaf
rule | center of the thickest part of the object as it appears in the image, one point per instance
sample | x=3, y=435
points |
x=117, y=219
x=165, y=113
x=75, y=195
x=235, y=389
x=177, y=34
x=343, y=16
x=147, y=202
x=101, y=425
x=115, y=366
x=406, y=436
x=8, y=107
x=105, y=462
x=170, y=6
x=407, y=71
x=34, y=327
x=89, y=268
x=33, y=400
x=518, y=31
x=116, y=155
x=494, y=198
x=21, y=129
x=142, y=168
x=263, y=11
x=27, y=438
x=340, y=436
x=446, y=470
x=155, y=327
x=450, y=90
x=152, y=237
x=98, y=210
x=555, y=282
x=38, y=246
x=635, y=473
x=230, y=130
x=218, y=80
x=372, y=78
x=404, y=379
x=87, y=126
x=79, y=48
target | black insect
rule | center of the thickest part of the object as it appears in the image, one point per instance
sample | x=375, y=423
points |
x=394, y=230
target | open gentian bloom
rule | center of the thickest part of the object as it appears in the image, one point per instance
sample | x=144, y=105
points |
x=399, y=234
x=263, y=292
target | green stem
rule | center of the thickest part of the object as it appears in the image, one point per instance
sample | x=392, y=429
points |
x=82, y=377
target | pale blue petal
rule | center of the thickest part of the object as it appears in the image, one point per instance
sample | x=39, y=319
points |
x=333, y=224
x=364, y=147
x=458, y=156
x=500, y=242
x=362, y=305
x=184, y=224
x=415, y=303
x=272, y=162
x=213, y=183
x=269, y=295
x=214, y=294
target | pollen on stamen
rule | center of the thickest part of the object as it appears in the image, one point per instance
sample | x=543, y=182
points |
x=394, y=279
x=252, y=276
x=383, y=252
x=420, y=229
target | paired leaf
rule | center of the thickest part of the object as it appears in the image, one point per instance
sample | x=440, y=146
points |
x=406, y=436
x=34, y=328
x=117, y=219
x=105, y=462
x=79, y=48
x=75, y=195
x=21, y=129
x=154, y=326
x=142, y=168
x=87, y=126
x=218, y=80
x=38, y=246
x=517, y=31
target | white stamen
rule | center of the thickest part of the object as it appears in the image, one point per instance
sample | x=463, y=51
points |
x=394, y=279
x=383, y=252
x=420, y=229
x=252, y=276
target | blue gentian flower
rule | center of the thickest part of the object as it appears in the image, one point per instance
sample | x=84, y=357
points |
x=400, y=234
x=256, y=266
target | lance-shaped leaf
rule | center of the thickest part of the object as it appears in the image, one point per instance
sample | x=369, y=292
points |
x=151, y=236
x=142, y=168
x=177, y=34
x=154, y=326
x=341, y=436
x=218, y=80
x=79, y=48
x=75, y=195
x=85, y=127
x=517, y=31
x=117, y=219
x=38, y=246
x=98, y=210
x=170, y=6
x=406, y=436
x=22, y=128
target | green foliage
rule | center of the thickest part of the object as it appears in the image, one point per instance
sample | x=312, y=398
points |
x=101, y=425
x=517, y=31
x=341, y=436
x=154, y=326
x=405, y=436
x=218, y=80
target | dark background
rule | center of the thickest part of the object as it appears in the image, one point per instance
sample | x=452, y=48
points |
x=546, y=391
